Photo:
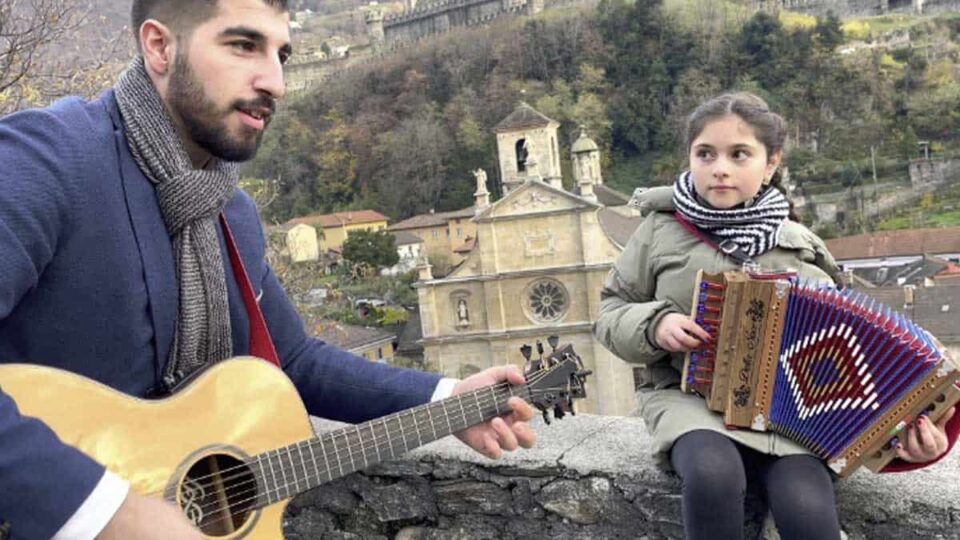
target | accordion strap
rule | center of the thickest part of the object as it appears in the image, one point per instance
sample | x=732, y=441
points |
x=726, y=246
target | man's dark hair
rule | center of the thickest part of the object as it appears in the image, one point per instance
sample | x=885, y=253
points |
x=181, y=16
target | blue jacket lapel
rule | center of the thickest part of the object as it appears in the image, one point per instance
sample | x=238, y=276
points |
x=150, y=232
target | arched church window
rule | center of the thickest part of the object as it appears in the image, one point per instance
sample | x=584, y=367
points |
x=546, y=300
x=521, y=149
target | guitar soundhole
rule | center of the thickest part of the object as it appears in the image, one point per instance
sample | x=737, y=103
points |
x=218, y=494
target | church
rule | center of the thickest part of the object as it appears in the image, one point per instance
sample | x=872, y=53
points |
x=537, y=267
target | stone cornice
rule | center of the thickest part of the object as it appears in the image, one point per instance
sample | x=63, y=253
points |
x=547, y=213
x=552, y=271
x=528, y=331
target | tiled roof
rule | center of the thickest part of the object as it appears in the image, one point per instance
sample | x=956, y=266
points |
x=610, y=197
x=523, y=117
x=913, y=273
x=935, y=309
x=896, y=243
x=617, y=226
x=435, y=219
x=405, y=238
x=467, y=246
x=339, y=219
x=348, y=337
x=412, y=333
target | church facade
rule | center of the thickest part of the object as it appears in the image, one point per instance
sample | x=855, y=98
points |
x=540, y=259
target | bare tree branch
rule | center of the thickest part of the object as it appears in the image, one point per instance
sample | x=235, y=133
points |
x=34, y=34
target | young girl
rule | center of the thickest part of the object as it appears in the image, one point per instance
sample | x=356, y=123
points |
x=730, y=194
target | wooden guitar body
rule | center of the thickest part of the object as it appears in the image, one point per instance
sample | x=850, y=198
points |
x=235, y=444
x=234, y=410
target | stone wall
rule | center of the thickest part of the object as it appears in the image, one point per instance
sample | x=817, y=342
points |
x=861, y=8
x=588, y=477
x=933, y=171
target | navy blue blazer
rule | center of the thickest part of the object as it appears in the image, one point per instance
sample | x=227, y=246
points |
x=88, y=284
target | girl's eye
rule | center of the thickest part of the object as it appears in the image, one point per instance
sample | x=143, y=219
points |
x=704, y=154
x=740, y=154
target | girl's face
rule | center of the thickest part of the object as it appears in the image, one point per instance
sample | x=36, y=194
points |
x=729, y=165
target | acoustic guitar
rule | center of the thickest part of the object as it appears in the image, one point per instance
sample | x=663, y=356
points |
x=234, y=445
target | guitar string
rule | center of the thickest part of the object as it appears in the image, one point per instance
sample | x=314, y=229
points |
x=232, y=507
x=246, y=464
x=311, y=443
x=399, y=415
x=350, y=451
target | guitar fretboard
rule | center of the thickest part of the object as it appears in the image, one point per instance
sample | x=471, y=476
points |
x=293, y=469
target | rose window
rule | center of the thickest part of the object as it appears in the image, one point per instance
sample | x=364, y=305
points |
x=547, y=300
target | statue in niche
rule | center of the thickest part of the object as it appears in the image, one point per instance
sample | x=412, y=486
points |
x=463, y=316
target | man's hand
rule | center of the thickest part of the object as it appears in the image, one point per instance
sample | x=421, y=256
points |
x=146, y=518
x=679, y=333
x=923, y=440
x=504, y=432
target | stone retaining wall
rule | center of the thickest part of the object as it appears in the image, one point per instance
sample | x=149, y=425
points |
x=588, y=477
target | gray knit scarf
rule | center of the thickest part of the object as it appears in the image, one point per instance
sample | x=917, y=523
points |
x=754, y=227
x=190, y=201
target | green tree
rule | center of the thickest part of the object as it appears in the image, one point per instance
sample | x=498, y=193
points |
x=764, y=45
x=828, y=34
x=373, y=248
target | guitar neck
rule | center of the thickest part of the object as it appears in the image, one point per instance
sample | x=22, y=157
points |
x=296, y=468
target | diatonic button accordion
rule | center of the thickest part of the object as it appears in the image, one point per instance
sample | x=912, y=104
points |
x=831, y=369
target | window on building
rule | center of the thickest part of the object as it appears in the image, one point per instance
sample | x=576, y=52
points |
x=380, y=353
x=521, y=148
x=459, y=232
x=436, y=233
x=547, y=300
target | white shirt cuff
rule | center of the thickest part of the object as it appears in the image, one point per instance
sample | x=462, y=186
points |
x=444, y=389
x=95, y=512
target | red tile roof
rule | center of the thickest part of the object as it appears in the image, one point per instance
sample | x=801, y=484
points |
x=339, y=219
x=523, y=117
x=347, y=336
x=436, y=219
x=467, y=246
x=896, y=243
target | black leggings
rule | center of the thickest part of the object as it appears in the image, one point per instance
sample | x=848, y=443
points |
x=714, y=469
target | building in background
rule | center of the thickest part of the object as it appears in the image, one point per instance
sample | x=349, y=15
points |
x=333, y=229
x=537, y=264
x=374, y=344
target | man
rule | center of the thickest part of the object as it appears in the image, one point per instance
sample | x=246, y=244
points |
x=114, y=265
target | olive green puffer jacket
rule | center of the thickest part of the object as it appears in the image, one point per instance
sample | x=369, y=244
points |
x=654, y=276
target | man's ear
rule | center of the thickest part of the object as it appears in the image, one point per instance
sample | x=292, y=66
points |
x=158, y=45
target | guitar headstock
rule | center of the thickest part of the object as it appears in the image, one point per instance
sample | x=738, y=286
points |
x=554, y=380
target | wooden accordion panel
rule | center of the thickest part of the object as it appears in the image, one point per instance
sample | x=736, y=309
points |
x=832, y=370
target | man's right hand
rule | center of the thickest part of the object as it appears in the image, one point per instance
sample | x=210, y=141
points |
x=146, y=518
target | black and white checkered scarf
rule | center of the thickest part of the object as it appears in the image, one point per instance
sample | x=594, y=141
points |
x=754, y=226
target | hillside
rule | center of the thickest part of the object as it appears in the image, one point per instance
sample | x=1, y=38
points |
x=402, y=133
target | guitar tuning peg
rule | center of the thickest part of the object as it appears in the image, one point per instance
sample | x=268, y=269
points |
x=540, y=348
x=546, y=416
x=526, y=350
x=558, y=412
x=553, y=341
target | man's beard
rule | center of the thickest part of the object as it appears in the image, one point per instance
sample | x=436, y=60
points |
x=205, y=122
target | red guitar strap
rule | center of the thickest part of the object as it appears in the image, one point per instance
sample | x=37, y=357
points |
x=261, y=345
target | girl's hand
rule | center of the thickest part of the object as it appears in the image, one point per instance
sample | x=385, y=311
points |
x=678, y=333
x=923, y=440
